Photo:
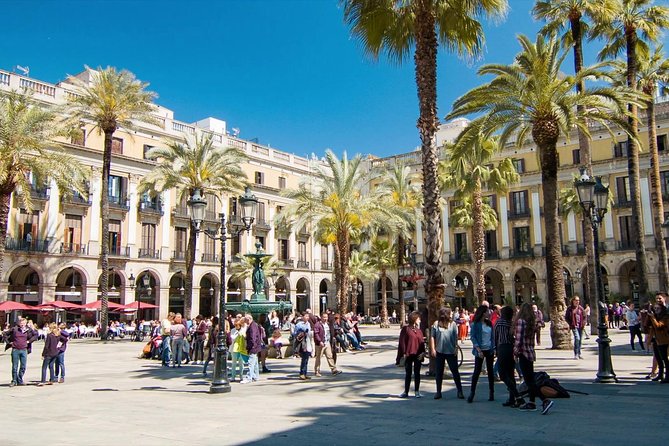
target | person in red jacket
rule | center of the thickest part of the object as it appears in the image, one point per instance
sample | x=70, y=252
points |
x=575, y=317
x=411, y=347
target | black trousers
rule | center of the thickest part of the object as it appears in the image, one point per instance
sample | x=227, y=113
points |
x=411, y=363
x=507, y=369
x=660, y=352
x=635, y=330
x=527, y=368
x=488, y=356
x=452, y=361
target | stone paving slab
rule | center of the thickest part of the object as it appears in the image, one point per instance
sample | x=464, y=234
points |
x=111, y=397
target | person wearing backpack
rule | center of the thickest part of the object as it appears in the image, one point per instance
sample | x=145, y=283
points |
x=303, y=344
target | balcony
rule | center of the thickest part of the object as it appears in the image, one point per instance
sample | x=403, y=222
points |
x=464, y=257
x=151, y=208
x=178, y=256
x=516, y=214
x=491, y=255
x=580, y=249
x=73, y=248
x=40, y=193
x=520, y=253
x=35, y=245
x=210, y=258
x=286, y=263
x=211, y=216
x=148, y=254
x=180, y=212
x=303, y=264
x=565, y=251
x=235, y=220
x=625, y=245
x=76, y=199
x=326, y=266
x=303, y=233
x=119, y=251
x=263, y=225
x=623, y=202
x=120, y=203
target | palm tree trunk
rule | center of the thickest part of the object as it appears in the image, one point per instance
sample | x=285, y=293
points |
x=633, y=171
x=400, y=261
x=656, y=196
x=343, y=251
x=5, y=198
x=478, y=241
x=354, y=294
x=188, y=277
x=586, y=160
x=385, y=323
x=425, y=60
x=104, y=245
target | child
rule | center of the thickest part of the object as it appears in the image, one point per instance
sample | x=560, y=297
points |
x=60, y=359
x=277, y=343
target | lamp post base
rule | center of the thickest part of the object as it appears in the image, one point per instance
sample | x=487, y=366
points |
x=219, y=382
x=605, y=374
x=220, y=388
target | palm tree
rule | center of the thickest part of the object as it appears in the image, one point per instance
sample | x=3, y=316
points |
x=469, y=169
x=629, y=30
x=334, y=204
x=358, y=268
x=383, y=257
x=111, y=100
x=395, y=27
x=196, y=164
x=531, y=96
x=401, y=188
x=28, y=130
x=245, y=266
x=651, y=72
x=570, y=18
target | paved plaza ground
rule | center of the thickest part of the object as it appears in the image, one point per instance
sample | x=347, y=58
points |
x=112, y=398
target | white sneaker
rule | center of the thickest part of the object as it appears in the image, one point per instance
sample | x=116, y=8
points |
x=575, y=356
x=244, y=381
x=418, y=395
x=403, y=395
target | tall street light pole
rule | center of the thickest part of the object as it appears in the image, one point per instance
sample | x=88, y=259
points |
x=594, y=197
x=198, y=206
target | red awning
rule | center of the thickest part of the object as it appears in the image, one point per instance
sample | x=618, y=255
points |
x=138, y=306
x=97, y=305
x=60, y=305
x=10, y=305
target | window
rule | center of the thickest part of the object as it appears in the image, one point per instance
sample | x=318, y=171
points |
x=623, y=190
x=28, y=224
x=283, y=249
x=324, y=254
x=491, y=200
x=626, y=236
x=180, y=240
x=115, y=237
x=661, y=143
x=519, y=205
x=519, y=165
x=461, y=244
x=576, y=156
x=116, y=190
x=236, y=245
x=491, y=242
x=259, y=177
x=72, y=237
x=149, y=239
x=232, y=206
x=209, y=248
x=521, y=239
x=147, y=147
x=282, y=182
x=261, y=240
x=80, y=138
x=664, y=183
x=620, y=149
x=117, y=146
x=261, y=213
x=301, y=251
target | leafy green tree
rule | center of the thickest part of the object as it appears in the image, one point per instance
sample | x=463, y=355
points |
x=359, y=269
x=532, y=97
x=111, y=100
x=633, y=25
x=28, y=134
x=186, y=167
x=469, y=169
x=382, y=256
x=395, y=27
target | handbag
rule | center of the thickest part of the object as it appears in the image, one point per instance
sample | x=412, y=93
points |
x=401, y=362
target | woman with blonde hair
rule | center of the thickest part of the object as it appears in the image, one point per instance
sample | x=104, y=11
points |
x=50, y=354
x=239, y=353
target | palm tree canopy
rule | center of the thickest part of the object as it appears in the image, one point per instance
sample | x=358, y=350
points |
x=532, y=91
x=631, y=16
x=195, y=164
x=401, y=188
x=244, y=269
x=360, y=267
x=113, y=99
x=390, y=25
x=559, y=13
x=463, y=215
x=28, y=131
x=382, y=254
x=652, y=72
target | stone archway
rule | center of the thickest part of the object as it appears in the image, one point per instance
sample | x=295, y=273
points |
x=147, y=288
x=302, y=295
x=177, y=293
x=525, y=286
x=282, y=289
x=628, y=284
x=325, y=297
x=494, y=286
x=25, y=285
x=463, y=290
x=234, y=291
x=208, y=292
x=71, y=286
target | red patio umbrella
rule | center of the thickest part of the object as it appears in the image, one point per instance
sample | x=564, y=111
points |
x=10, y=305
x=97, y=305
x=137, y=305
x=60, y=305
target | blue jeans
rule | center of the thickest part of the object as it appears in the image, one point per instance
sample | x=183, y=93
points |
x=354, y=341
x=178, y=346
x=19, y=357
x=578, y=335
x=304, y=363
x=254, y=370
x=165, y=353
x=50, y=363
x=60, y=365
x=237, y=365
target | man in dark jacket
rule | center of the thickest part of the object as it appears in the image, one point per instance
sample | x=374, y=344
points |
x=325, y=344
x=20, y=339
x=253, y=346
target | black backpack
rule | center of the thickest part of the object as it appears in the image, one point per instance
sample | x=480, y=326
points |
x=550, y=387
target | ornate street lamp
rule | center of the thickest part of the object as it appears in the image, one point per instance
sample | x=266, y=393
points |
x=131, y=280
x=198, y=206
x=594, y=197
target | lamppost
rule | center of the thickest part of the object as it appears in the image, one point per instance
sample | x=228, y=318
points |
x=198, y=206
x=594, y=198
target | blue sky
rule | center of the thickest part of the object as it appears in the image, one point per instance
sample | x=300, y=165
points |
x=285, y=72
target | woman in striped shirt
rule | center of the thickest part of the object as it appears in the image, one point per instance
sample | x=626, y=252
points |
x=504, y=343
